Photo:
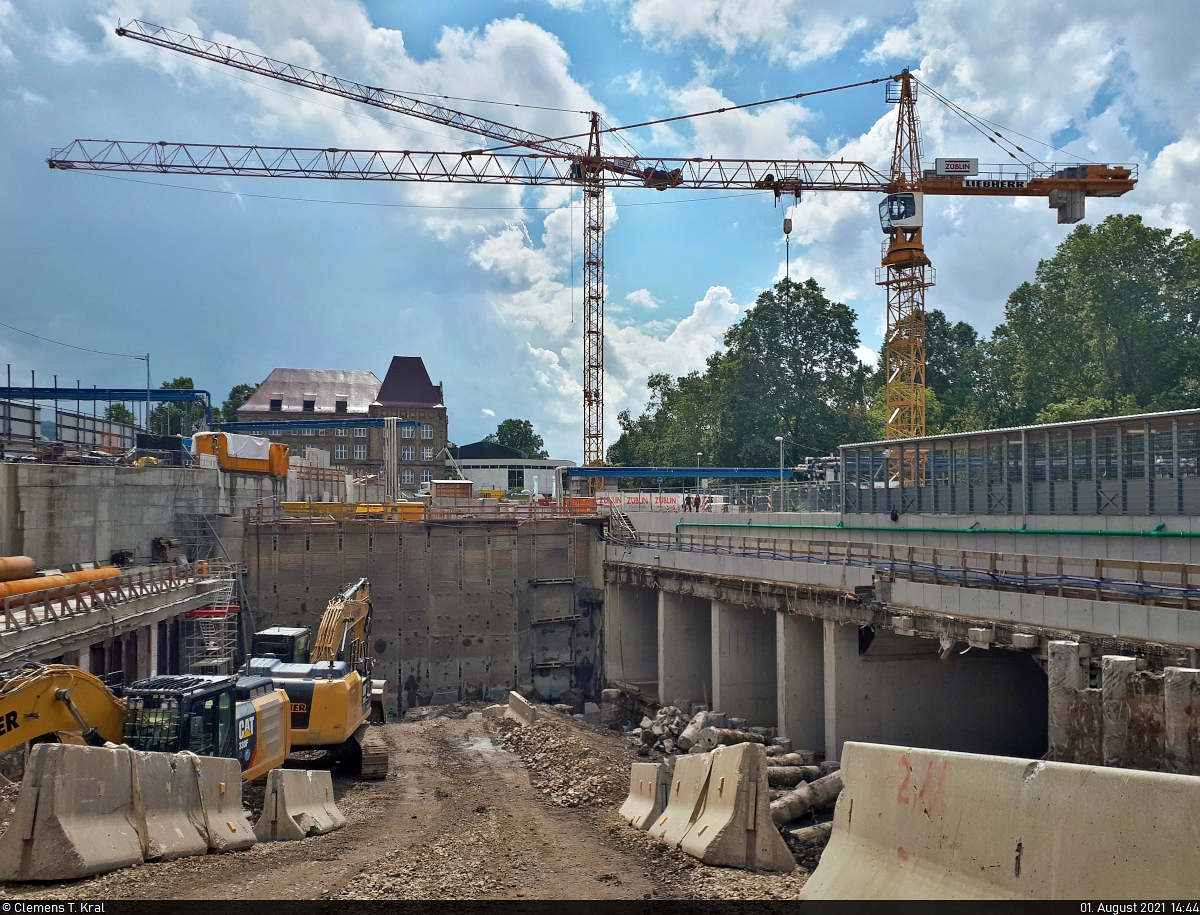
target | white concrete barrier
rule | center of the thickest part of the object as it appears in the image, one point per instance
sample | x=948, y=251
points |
x=926, y=824
x=170, y=805
x=520, y=709
x=220, y=796
x=734, y=828
x=297, y=803
x=74, y=815
x=686, y=799
x=648, y=787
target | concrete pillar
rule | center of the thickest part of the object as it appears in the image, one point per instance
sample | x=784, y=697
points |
x=684, y=648
x=631, y=636
x=800, y=680
x=743, y=663
x=152, y=640
x=833, y=746
x=1181, y=713
x=1116, y=672
x=1065, y=679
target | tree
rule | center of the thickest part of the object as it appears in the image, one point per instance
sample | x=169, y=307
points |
x=119, y=413
x=789, y=369
x=177, y=418
x=519, y=434
x=238, y=395
x=1111, y=317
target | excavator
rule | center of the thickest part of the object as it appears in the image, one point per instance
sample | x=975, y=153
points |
x=287, y=697
x=243, y=718
x=332, y=696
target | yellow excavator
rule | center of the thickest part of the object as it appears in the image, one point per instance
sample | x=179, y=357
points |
x=242, y=718
x=332, y=696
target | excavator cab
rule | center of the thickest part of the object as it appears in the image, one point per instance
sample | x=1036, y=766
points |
x=290, y=644
x=167, y=714
x=901, y=211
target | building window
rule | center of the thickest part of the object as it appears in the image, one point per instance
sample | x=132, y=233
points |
x=340, y=452
x=516, y=479
x=426, y=430
x=307, y=431
x=339, y=406
x=340, y=432
x=406, y=432
x=277, y=405
x=407, y=476
x=321, y=432
x=408, y=453
x=310, y=406
x=427, y=453
x=360, y=433
x=426, y=476
x=360, y=452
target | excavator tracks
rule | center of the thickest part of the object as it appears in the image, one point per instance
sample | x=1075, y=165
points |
x=372, y=753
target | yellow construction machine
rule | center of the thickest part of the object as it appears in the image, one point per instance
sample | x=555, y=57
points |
x=242, y=718
x=333, y=698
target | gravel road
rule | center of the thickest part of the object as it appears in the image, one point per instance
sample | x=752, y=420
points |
x=472, y=809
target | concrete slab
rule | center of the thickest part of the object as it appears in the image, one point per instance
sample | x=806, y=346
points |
x=1033, y=610
x=1106, y=618
x=1134, y=621
x=1162, y=624
x=1189, y=627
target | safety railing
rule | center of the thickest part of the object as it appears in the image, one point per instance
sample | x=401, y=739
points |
x=1171, y=584
x=65, y=601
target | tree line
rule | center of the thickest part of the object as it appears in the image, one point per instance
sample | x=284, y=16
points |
x=1110, y=325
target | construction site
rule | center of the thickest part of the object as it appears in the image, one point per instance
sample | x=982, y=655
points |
x=245, y=663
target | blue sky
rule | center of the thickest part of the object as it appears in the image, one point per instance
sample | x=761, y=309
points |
x=225, y=280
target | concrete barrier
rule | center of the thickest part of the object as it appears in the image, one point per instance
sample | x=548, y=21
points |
x=297, y=803
x=734, y=828
x=520, y=709
x=686, y=799
x=89, y=810
x=74, y=815
x=938, y=825
x=165, y=791
x=220, y=795
x=648, y=787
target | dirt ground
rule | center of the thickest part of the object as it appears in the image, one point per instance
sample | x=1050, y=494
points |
x=459, y=817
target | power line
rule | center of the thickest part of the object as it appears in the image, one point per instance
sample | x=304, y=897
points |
x=85, y=349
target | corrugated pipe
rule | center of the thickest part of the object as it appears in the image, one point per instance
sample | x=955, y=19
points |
x=895, y=529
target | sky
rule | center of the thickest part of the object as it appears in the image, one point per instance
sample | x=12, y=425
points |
x=224, y=280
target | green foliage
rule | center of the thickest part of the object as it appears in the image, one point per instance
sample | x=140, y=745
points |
x=519, y=434
x=238, y=395
x=175, y=418
x=788, y=369
x=119, y=413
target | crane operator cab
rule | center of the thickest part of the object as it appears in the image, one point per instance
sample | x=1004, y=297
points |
x=901, y=211
x=290, y=644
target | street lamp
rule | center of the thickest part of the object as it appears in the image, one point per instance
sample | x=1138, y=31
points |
x=779, y=438
x=698, y=453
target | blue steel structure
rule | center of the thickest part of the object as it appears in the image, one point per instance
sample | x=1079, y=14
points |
x=112, y=395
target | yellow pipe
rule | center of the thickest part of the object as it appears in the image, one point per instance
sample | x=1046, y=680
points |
x=46, y=582
x=14, y=567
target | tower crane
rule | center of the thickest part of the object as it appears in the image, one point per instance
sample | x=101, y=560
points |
x=905, y=271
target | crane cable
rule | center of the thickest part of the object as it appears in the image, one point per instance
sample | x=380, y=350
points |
x=699, y=114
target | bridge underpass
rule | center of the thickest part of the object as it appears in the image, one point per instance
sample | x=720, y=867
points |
x=1071, y=636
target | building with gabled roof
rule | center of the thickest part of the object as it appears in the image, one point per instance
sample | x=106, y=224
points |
x=409, y=394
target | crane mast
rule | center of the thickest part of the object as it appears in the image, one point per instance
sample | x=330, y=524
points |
x=905, y=273
x=593, y=307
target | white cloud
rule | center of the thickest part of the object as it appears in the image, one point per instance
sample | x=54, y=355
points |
x=487, y=412
x=9, y=23
x=643, y=299
x=792, y=32
x=867, y=356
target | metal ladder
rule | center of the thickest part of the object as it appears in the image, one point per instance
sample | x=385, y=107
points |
x=620, y=528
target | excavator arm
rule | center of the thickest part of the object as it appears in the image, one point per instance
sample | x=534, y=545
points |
x=345, y=626
x=37, y=700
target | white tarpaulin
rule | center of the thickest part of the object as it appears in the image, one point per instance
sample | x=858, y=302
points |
x=253, y=447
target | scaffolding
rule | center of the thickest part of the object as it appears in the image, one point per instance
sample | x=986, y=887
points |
x=210, y=639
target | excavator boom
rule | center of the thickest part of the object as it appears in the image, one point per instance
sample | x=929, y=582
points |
x=39, y=700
